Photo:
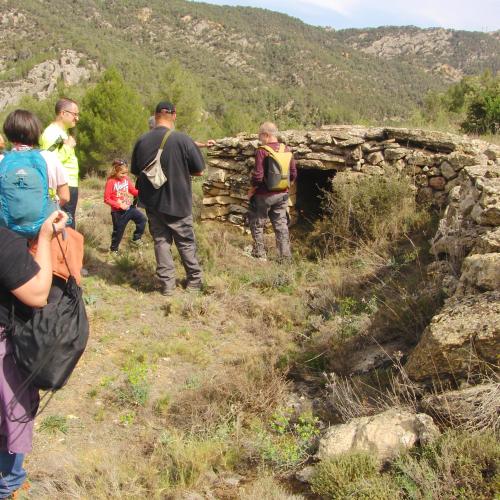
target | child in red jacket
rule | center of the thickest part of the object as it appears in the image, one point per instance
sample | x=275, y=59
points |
x=118, y=195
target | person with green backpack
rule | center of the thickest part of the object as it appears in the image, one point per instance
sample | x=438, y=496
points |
x=272, y=175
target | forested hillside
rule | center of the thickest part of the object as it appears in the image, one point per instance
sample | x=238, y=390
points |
x=247, y=63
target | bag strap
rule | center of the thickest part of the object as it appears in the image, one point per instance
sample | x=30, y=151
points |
x=60, y=246
x=166, y=136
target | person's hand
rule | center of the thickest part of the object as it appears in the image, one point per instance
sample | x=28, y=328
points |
x=55, y=222
x=70, y=141
x=210, y=143
x=124, y=205
x=251, y=192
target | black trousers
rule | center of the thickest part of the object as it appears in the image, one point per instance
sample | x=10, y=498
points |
x=120, y=220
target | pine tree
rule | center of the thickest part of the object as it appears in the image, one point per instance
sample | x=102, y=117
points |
x=112, y=118
x=180, y=87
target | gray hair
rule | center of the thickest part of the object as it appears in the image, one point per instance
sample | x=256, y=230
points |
x=269, y=128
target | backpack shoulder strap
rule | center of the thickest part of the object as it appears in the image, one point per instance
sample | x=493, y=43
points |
x=267, y=148
x=282, y=148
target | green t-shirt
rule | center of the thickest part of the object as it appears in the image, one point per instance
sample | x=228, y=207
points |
x=66, y=154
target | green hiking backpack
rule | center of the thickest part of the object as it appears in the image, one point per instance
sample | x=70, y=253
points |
x=277, y=168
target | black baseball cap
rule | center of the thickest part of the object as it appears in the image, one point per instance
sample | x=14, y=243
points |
x=165, y=106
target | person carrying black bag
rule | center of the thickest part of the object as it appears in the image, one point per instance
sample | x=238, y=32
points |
x=27, y=279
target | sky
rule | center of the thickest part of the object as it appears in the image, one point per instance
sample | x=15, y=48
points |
x=471, y=15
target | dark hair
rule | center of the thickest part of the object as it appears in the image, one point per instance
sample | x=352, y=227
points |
x=23, y=127
x=63, y=103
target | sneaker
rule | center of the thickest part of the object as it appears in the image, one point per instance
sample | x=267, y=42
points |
x=137, y=243
x=22, y=492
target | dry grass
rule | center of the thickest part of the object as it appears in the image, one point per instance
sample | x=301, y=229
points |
x=174, y=393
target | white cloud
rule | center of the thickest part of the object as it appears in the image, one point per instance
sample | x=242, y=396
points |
x=458, y=14
x=344, y=7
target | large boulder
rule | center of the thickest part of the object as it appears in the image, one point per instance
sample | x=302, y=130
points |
x=464, y=335
x=385, y=434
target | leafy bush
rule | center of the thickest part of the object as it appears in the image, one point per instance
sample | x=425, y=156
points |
x=352, y=476
x=457, y=465
x=285, y=443
x=370, y=209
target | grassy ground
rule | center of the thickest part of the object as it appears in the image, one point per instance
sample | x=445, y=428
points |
x=215, y=393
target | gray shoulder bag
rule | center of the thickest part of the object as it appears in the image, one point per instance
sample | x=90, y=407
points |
x=153, y=170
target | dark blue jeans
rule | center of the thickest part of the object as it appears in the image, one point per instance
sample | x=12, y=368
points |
x=120, y=220
x=70, y=207
x=12, y=474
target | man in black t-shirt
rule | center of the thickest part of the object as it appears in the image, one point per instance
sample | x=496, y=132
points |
x=169, y=208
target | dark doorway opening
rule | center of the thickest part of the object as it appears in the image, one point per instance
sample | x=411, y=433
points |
x=311, y=185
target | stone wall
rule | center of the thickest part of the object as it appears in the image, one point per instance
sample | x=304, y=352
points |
x=432, y=159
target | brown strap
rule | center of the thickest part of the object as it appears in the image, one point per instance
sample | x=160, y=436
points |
x=60, y=246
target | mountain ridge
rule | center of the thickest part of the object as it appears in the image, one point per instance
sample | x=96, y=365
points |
x=258, y=59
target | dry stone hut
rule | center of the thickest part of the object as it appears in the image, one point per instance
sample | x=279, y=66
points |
x=432, y=159
x=458, y=175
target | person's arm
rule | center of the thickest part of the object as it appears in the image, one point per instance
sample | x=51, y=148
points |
x=196, y=164
x=34, y=293
x=63, y=194
x=132, y=189
x=109, y=196
x=293, y=171
x=258, y=169
x=207, y=144
x=135, y=168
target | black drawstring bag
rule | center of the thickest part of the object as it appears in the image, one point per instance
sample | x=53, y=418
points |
x=49, y=344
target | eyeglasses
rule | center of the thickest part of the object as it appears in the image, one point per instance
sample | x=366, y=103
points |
x=76, y=115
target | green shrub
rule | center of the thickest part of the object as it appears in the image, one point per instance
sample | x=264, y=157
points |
x=54, y=423
x=354, y=476
x=458, y=465
x=369, y=209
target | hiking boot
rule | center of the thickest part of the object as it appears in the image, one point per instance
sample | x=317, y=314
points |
x=194, y=288
x=166, y=291
x=137, y=243
x=248, y=252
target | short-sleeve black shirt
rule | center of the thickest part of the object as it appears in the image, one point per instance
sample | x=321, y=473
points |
x=180, y=159
x=17, y=267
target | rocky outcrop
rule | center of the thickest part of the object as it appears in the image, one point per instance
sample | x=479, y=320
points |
x=474, y=408
x=42, y=80
x=466, y=332
x=385, y=434
x=464, y=335
x=440, y=51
